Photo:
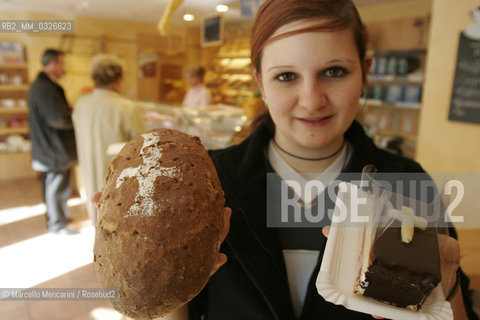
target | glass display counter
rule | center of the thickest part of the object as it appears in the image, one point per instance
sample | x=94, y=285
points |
x=215, y=125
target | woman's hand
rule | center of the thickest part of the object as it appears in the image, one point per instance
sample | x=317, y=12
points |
x=96, y=197
x=326, y=231
x=449, y=261
x=222, y=258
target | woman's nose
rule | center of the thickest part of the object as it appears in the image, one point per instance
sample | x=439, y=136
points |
x=313, y=95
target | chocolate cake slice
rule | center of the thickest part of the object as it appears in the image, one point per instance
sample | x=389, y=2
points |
x=399, y=273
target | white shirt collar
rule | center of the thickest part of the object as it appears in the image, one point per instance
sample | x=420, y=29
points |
x=287, y=173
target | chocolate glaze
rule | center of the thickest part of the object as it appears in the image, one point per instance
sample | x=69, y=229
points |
x=401, y=273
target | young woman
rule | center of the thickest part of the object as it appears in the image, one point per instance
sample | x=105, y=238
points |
x=310, y=64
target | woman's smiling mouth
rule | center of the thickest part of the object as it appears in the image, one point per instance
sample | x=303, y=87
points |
x=315, y=121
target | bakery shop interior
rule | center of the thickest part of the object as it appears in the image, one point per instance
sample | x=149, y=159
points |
x=239, y=159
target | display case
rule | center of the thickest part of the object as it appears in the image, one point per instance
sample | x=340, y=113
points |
x=230, y=77
x=217, y=125
x=161, y=61
x=13, y=100
x=172, y=84
x=391, y=105
x=14, y=130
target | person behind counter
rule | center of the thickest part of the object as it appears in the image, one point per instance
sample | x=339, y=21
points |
x=309, y=59
x=102, y=118
x=198, y=95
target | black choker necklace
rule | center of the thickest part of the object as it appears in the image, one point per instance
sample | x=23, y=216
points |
x=309, y=159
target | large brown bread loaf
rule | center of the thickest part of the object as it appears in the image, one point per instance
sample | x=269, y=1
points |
x=161, y=215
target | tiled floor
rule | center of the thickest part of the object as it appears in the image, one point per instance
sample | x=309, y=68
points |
x=30, y=257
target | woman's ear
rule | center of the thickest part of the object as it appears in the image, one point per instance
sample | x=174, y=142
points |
x=258, y=80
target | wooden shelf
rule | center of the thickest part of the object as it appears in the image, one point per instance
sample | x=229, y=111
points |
x=13, y=87
x=18, y=153
x=14, y=110
x=380, y=104
x=16, y=165
x=232, y=78
x=237, y=92
x=396, y=81
x=391, y=79
x=9, y=131
x=232, y=55
x=234, y=72
x=408, y=52
x=390, y=132
x=13, y=66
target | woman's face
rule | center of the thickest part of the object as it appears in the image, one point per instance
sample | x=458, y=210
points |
x=193, y=80
x=311, y=83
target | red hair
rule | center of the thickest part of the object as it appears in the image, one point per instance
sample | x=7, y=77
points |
x=337, y=15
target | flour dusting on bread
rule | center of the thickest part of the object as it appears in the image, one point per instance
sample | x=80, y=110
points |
x=146, y=175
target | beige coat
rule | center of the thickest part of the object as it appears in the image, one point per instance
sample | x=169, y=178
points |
x=101, y=118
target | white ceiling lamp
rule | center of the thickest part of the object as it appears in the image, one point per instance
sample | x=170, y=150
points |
x=221, y=8
x=188, y=17
x=82, y=6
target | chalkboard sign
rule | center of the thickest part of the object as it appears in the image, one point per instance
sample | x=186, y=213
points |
x=465, y=104
x=249, y=8
x=212, y=30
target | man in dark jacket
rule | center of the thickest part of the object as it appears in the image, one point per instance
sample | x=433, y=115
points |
x=53, y=139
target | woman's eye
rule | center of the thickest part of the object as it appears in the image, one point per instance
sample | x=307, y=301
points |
x=286, y=76
x=335, y=72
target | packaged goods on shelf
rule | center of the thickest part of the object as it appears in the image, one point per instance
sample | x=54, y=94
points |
x=11, y=52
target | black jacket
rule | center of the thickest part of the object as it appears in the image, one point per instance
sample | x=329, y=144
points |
x=253, y=283
x=51, y=127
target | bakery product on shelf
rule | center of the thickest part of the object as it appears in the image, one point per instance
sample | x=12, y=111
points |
x=161, y=216
x=403, y=266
